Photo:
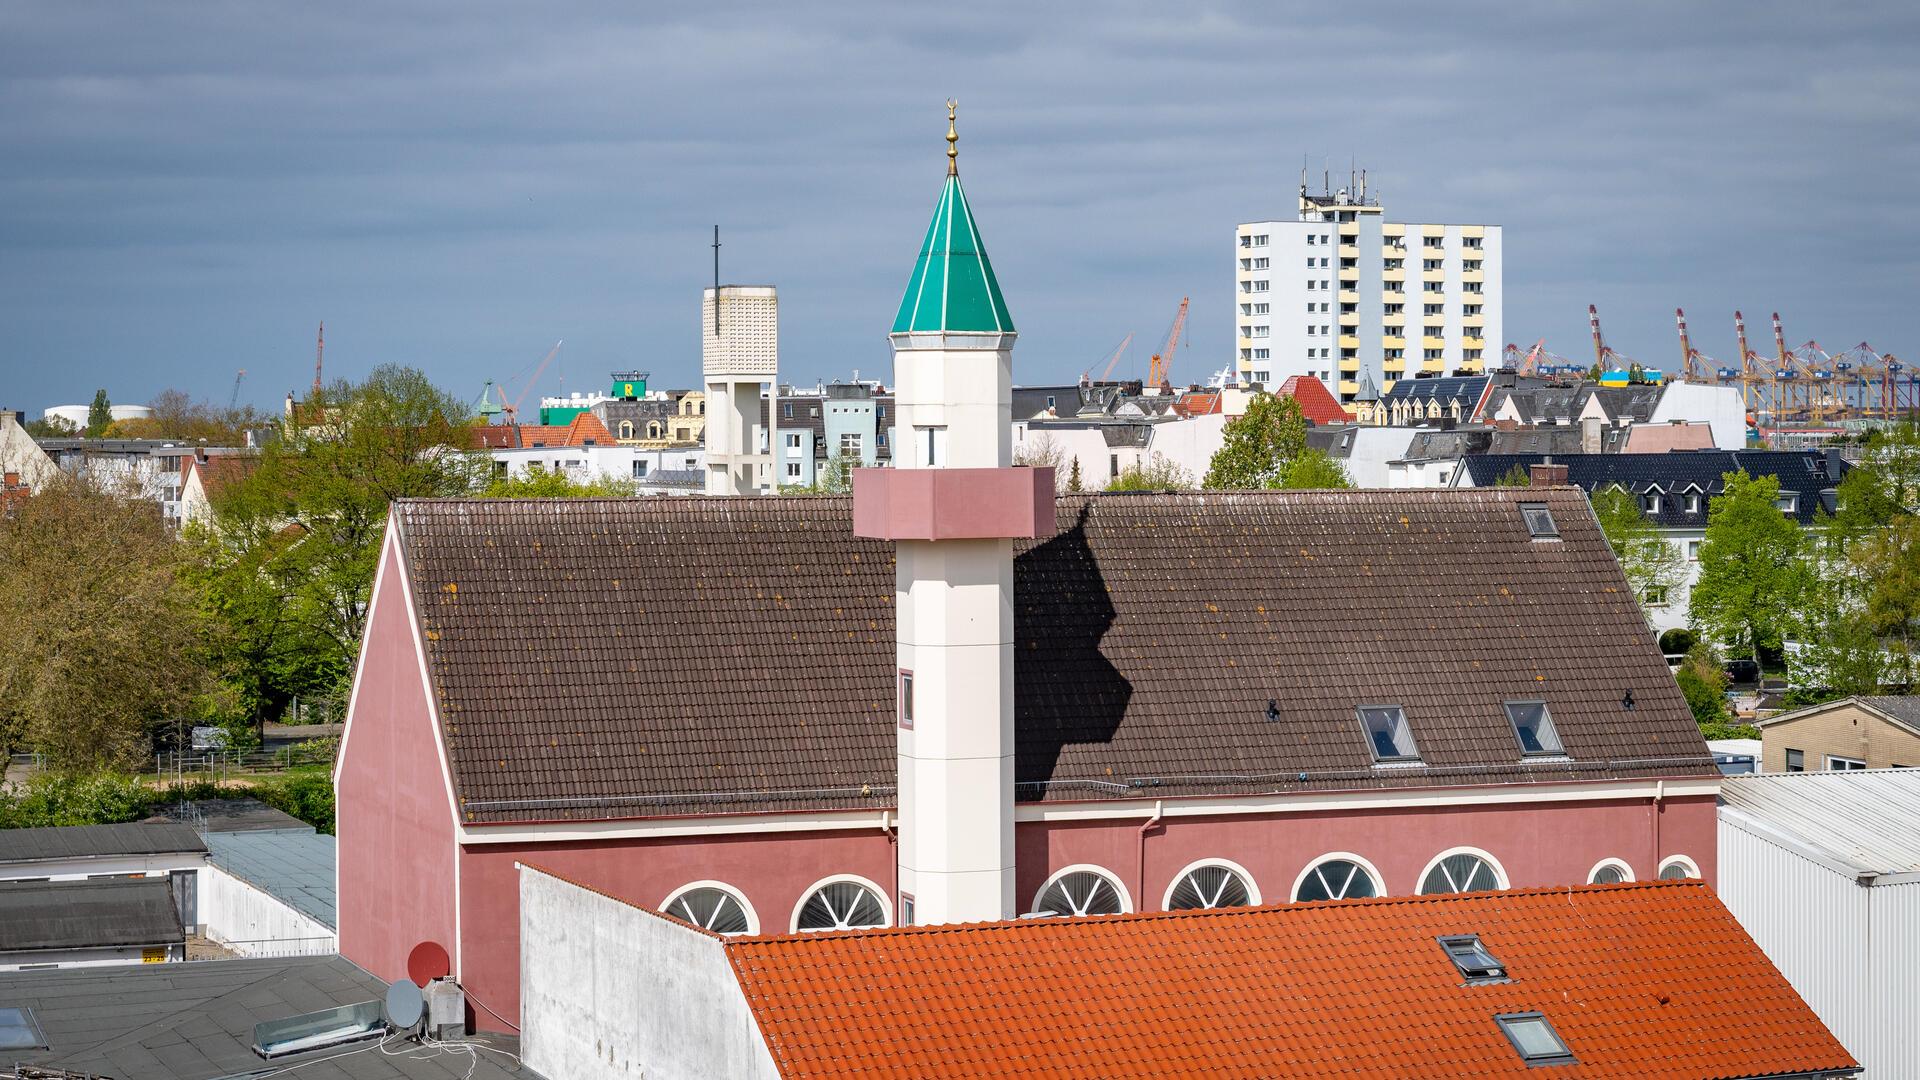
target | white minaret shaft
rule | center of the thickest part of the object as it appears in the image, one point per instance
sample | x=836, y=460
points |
x=953, y=503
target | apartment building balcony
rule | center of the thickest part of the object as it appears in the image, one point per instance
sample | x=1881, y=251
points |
x=1348, y=341
x=1393, y=275
x=1433, y=275
x=1433, y=365
x=1349, y=318
x=1473, y=321
x=1349, y=388
x=1350, y=366
x=1349, y=296
x=1349, y=228
x=1393, y=341
x=1394, y=365
x=1245, y=343
x=1432, y=342
x=1349, y=275
x=1472, y=340
x=1473, y=275
x=1349, y=251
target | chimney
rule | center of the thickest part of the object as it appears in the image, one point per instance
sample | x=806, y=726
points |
x=1590, y=435
x=1546, y=474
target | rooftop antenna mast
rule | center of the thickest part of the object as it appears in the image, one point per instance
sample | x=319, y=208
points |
x=319, y=351
x=716, y=281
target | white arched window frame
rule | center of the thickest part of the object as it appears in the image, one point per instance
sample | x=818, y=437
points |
x=1246, y=878
x=1493, y=864
x=879, y=894
x=1682, y=863
x=740, y=898
x=1619, y=865
x=626, y=429
x=1366, y=867
x=1112, y=880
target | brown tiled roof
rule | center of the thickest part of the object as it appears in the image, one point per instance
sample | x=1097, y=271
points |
x=1653, y=979
x=638, y=657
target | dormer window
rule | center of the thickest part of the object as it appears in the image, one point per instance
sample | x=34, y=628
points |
x=1650, y=502
x=1788, y=503
x=1693, y=502
x=1533, y=726
x=1388, y=736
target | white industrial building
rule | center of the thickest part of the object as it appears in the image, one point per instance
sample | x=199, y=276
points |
x=1823, y=871
x=1356, y=301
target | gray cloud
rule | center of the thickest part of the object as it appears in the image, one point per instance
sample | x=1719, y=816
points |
x=186, y=189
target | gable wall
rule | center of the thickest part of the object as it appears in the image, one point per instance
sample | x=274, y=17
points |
x=396, y=850
x=1846, y=731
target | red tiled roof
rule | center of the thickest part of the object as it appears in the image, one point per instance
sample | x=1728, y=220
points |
x=220, y=470
x=1317, y=404
x=495, y=436
x=584, y=430
x=1150, y=636
x=1653, y=979
x=1197, y=403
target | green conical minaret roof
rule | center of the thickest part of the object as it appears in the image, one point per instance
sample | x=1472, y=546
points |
x=953, y=289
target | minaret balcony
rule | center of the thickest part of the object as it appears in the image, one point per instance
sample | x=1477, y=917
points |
x=953, y=504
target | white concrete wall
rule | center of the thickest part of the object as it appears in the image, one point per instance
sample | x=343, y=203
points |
x=1852, y=951
x=592, y=462
x=74, y=958
x=253, y=923
x=610, y=990
x=1719, y=407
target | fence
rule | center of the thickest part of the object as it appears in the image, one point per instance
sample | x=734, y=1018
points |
x=216, y=764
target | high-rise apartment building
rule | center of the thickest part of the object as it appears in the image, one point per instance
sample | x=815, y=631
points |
x=1360, y=302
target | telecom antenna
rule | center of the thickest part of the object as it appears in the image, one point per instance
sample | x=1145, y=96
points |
x=716, y=281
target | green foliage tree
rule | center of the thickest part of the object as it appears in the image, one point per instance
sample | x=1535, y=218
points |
x=99, y=415
x=52, y=427
x=1157, y=473
x=544, y=484
x=1703, y=682
x=1517, y=476
x=1652, y=565
x=288, y=563
x=176, y=415
x=101, y=632
x=1752, y=575
x=1073, y=477
x=1257, y=445
x=1310, y=469
x=835, y=477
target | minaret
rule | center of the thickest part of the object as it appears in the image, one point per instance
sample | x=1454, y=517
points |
x=953, y=503
x=739, y=350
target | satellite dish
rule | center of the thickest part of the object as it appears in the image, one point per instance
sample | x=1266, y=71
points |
x=427, y=962
x=405, y=1006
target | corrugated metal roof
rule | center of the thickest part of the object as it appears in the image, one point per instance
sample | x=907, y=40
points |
x=97, y=841
x=294, y=868
x=1868, y=820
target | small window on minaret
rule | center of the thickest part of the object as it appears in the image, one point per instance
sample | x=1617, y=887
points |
x=933, y=445
x=906, y=698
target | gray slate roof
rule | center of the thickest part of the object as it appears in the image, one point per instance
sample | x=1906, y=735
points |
x=97, y=841
x=1905, y=708
x=230, y=815
x=87, y=914
x=194, y=1021
x=1810, y=474
x=293, y=867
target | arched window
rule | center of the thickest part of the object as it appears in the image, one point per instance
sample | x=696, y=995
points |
x=1339, y=876
x=1460, y=870
x=626, y=429
x=1082, y=890
x=842, y=902
x=653, y=429
x=1211, y=883
x=712, y=905
x=1678, y=868
x=1610, y=872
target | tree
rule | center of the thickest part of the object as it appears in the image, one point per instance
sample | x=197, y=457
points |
x=1257, y=445
x=1751, y=572
x=1158, y=473
x=1517, y=476
x=1311, y=469
x=52, y=427
x=1887, y=572
x=1073, y=477
x=99, y=415
x=834, y=478
x=290, y=563
x=1042, y=450
x=1652, y=565
x=176, y=415
x=101, y=633
x=1703, y=682
x=541, y=484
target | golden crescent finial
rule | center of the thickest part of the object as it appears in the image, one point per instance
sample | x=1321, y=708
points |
x=953, y=139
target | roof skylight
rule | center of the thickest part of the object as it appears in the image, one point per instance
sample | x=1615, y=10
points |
x=1534, y=1038
x=1533, y=726
x=19, y=1031
x=1476, y=964
x=1388, y=735
x=1539, y=520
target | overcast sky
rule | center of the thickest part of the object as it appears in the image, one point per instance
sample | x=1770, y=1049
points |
x=187, y=188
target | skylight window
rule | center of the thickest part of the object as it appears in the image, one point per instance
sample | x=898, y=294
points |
x=1476, y=964
x=19, y=1031
x=1533, y=726
x=1534, y=1038
x=1539, y=520
x=1388, y=735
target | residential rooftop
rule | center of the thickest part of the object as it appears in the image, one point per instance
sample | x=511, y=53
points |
x=98, y=842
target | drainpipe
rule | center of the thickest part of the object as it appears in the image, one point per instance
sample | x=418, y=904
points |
x=1140, y=857
x=893, y=847
x=1659, y=795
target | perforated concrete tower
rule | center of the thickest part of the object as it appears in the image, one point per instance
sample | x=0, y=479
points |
x=739, y=351
x=953, y=504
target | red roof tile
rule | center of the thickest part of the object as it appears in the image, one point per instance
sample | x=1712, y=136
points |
x=1317, y=403
x=1653, y=979
x=1197, y=403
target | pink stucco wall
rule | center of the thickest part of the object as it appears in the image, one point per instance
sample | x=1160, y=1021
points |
x=396, y=850
x=773, y=871
x=1536, y=843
